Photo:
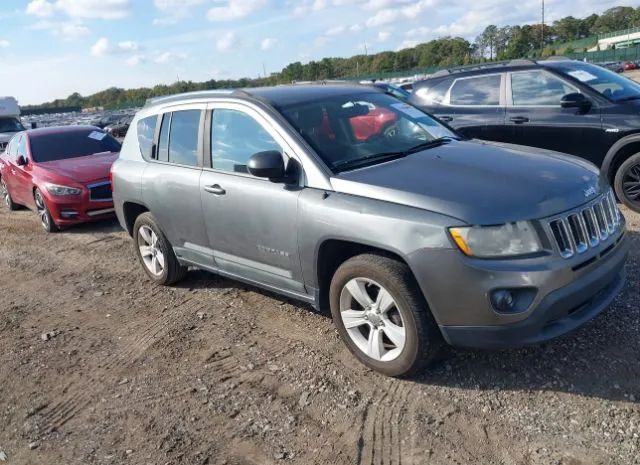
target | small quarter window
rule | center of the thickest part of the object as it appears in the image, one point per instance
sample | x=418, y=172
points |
x=163, y=142
x=146, y=133
x=482, y=90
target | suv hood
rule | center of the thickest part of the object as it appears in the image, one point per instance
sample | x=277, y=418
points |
x=82, y=169
x=480, y=183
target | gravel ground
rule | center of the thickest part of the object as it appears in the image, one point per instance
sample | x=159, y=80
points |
x=98, y=366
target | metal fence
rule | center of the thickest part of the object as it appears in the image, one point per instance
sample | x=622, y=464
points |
x=623, y=32
x=618, y=54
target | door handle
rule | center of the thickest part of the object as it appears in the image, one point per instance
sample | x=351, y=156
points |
x=446, y=119
x=215, y=189
x=519, y=119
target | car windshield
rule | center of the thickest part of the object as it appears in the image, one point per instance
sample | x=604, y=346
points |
x=352, y=131
x=10, y=125
x=607, y=83
x=71, y=144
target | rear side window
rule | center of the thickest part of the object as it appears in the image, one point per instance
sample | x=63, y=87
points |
x=146, y=133
x=482, y=90
x=432, y=95
x=183, y=137
x=71, y=144
x=538, y=88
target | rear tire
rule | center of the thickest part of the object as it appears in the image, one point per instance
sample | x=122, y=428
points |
x=627, y=182
x=46, y=220
x=391, y=329
x=8, y=201
x=155, y=252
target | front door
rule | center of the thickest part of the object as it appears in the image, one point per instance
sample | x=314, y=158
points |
x=251, y=222
x=536, y=118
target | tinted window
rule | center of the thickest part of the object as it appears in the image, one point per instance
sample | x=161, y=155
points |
x=432, y=94
x=483, y=90
x=71, y=144
x=611, y=85
x=538, y=88
x=163, y=143
x=146, y=133
x=10, y=125
x=235, y=137
x=348, y=131
x=183, y=137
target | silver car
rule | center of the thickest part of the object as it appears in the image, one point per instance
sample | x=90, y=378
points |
x=349, y=199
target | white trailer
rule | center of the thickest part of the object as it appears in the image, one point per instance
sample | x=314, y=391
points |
x=9, y=120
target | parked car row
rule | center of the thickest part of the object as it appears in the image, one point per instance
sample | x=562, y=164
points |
x=344, y=196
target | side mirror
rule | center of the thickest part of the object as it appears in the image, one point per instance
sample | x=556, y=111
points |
x=268, y=164
x=34, y=125
x=575, y=100
x=21, y=161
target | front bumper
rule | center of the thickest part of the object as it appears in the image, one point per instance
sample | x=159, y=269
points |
x=68, y=213
x=568, y=294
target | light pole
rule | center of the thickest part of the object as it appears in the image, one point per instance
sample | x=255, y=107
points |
x=542, y=29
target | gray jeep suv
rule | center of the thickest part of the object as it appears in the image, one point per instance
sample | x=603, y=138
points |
x=349, y=199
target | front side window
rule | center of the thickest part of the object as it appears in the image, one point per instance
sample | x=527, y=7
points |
x=538, y=88
x=607, y=83
x=146, y=133
x=477, y=91
x=353, y=130
x=10, y=125
x=183, y=137
x=235, y=137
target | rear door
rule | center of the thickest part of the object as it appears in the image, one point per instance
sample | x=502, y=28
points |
x=171, y=181
x=251, y=222
x=476, y=105
x=536, y=119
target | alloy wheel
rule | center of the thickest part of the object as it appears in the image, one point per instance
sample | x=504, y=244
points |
x=631, y=183
x=372, y=319
x=45, y=219
x=152, y=256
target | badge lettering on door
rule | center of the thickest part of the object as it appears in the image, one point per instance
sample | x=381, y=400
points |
x=272, y=251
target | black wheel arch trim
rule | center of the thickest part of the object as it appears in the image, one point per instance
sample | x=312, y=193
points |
x=614, y=150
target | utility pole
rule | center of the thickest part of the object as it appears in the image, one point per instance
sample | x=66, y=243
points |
x=264, y=70
x=542, y=29
x=366, y=51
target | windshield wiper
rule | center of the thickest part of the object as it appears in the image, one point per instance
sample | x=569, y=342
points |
x=388, y=156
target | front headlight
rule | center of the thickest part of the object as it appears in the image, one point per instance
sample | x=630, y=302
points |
x=508, y=240
x=55, y=189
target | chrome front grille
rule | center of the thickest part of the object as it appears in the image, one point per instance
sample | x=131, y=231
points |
x=586, y=228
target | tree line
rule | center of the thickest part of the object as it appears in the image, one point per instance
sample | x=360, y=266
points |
x=503, y=43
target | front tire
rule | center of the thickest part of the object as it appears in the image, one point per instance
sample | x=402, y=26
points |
x=6, y=196
x=627, y=182
x=155, y=252
x=382, y=316
x=46, y=220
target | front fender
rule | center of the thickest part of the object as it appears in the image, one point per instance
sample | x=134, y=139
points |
x=610, y=158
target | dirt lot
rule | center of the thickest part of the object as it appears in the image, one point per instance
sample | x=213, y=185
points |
x=213, y=372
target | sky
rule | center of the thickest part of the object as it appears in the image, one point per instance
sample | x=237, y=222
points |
x=52, y=48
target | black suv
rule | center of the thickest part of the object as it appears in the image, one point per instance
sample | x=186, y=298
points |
x=556, y=104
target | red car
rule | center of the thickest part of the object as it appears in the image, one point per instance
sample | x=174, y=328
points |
x=62, y=173
x=629, y=66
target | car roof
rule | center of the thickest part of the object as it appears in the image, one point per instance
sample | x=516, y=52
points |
x=277, y=96
x=495, y=67
x=59, y=130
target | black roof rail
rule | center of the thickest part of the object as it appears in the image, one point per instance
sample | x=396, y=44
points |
x=487, y=65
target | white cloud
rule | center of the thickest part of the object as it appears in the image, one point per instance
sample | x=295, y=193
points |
x=41, y=8
x=383, y=36
x=4, y=43
x=397, y=13
x=169, y=57
x=104, y=47
x=173, y=5
x=235, y=9
x=337, y=30
x=135, y=60
x=268, y=43
x=355, y=28
x=98, y=9
x=227, y=42
x=67, y=30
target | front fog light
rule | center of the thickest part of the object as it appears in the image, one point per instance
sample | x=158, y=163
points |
x=512, y=300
